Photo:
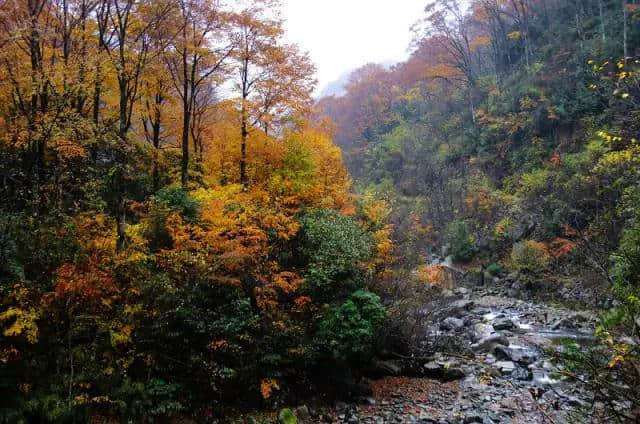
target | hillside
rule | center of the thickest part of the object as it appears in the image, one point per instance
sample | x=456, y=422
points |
x=509, y=142
x=188, y=236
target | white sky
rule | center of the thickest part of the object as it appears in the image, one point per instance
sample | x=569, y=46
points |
x=342, y=35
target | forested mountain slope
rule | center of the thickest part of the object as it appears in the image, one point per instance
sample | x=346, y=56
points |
x=177, y=238
x=511, y=121
x=509, y=140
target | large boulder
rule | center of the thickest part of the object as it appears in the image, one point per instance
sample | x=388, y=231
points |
x=489, y=343
x=451, y=323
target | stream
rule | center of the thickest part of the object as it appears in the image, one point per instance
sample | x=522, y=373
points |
x=508, y=377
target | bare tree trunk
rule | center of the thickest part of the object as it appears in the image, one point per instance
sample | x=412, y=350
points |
x=624, y=31
x=243, y=149
x=602, y=24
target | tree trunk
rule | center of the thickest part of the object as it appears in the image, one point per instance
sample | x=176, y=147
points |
x=624, y=30
x=185, y=146
x=243, y=149
x=602, y=23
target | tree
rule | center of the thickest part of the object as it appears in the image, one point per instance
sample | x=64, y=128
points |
x=256, y=34
x=127, y=26
x=198, y=53
x=446, y=24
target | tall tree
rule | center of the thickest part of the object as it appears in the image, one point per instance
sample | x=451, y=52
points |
x=257, y=30
x=130, y=24
x=199, y=52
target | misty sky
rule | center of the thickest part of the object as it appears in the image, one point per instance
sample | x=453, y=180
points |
x=344, y=34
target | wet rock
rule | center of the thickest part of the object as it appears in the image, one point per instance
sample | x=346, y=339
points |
x=444, y=372
x=461, y=291
x=522, y=374
x=504, y=324
x=564, y=323
x=451, y=323
x=505, y=367
x=489, y=343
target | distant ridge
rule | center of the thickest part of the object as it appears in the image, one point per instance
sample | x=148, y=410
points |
x=337, y=88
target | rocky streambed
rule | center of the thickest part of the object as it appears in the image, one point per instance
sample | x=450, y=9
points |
x=497, y=369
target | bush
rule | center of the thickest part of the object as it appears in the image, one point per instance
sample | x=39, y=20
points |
x=334, y=246
x=347, y=331
x=530, y=256
x=177, y=200
x=494, y=269
x=459, y=237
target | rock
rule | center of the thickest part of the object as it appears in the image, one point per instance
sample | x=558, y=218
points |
x=489, y=343
x=522, y=230
x=566, y=322
x=522, y=374
x=461, y=307
x=473, y=418
x=481, y=331
x=286, y=416
x=513, y=277
x=461, y=291
x=503, y=353
x=383, y=368
x=504, y=324
x=442, y=372
x=505, y=367
x=302, y=412
x=451, y=323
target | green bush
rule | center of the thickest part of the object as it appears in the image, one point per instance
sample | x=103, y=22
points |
x=530, y=256
x=175, y=199
x=334, y=245
x=494, y=269
x=348, y=329
x=459, y=237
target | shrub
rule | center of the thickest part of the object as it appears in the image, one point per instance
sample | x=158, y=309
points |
x=459, y=237
x=334, y=246
x=494, y=269
x=348, y=329
x=530, y=256
x=177, y=200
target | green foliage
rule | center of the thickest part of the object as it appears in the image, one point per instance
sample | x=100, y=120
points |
x=458, y=235
x=348, y=329
x=494, y=269
x=286, y=416
x=149, y=401
x=530, y=256
x=175, y=199
x=334, y=246
x=297, y=170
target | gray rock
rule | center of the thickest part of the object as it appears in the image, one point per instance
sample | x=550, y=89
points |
x=522, y=374
x=451, y=323
x=504, y=324
x=566, y=322
x=505, y=367
x=442, y=372
x=489, y=343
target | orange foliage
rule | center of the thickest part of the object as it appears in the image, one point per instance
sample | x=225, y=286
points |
x=267, y=386
x=87, y=281
x=431, y=274
x=560, y=248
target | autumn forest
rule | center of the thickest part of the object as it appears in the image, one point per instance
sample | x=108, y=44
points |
x=188, y=234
